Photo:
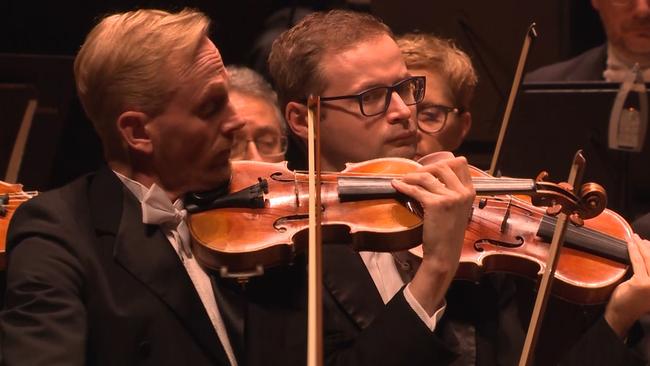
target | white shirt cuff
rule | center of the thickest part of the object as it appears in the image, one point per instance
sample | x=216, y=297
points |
x=429, y=321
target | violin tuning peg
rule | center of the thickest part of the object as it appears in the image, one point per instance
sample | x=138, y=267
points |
x=554, y=210
x=576, y=219
x=541, y=176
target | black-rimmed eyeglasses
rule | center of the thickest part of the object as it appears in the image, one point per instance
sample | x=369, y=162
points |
x=376, y=100
x=432, y=118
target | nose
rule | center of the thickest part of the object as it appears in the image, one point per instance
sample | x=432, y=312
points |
x=398, y=111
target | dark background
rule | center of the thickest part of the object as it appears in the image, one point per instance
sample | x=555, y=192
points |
x=62, y=145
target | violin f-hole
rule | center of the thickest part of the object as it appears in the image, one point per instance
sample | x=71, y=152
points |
x=519, y=241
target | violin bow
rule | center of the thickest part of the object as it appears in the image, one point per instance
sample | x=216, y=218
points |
x=575, y=176
x=531, y=34
x=315, y=271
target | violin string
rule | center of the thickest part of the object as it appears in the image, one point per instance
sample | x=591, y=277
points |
x=589, y=233
x=592, y=235
x=370, y=175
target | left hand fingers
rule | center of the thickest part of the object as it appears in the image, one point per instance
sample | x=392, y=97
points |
x=454, y=173
x=639, y=251
x=420, y=186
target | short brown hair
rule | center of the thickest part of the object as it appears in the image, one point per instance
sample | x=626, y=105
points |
x=135, y=60
x=426, y=51
x=294, y=62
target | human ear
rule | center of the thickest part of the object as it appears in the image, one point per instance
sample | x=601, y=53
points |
x=131, y=127
x=296, y=116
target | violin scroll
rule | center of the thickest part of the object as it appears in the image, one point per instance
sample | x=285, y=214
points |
x=588, y=202
x=595, y=199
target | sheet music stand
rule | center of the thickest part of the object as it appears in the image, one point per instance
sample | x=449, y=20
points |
x=17, y=107
x=51, y=80
x=553, y=120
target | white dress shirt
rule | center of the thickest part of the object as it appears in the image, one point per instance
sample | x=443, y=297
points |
x=388, y=281
x=157, y=208
x=618, y=69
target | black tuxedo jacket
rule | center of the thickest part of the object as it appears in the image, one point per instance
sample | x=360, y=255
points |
x=588, y=66
x=89, y=284
x=497, y=309
x=490, y=316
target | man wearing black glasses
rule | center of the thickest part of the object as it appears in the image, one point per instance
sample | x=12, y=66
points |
x=367, y=112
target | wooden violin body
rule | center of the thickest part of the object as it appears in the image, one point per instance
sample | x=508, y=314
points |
x=509, y=234
x=11, y=196
x=242, y=239
x=258, y=225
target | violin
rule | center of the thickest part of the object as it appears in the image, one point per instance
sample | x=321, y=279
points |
x=261, y=221
x=11, y=196
x=509, y=234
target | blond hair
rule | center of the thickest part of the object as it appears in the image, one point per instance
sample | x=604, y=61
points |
x=134, y=60
x=425, y=51
x=294, y=61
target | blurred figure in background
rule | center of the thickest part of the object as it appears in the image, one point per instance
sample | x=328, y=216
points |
x=627, y=25
x=264, y=136
x=443, y=116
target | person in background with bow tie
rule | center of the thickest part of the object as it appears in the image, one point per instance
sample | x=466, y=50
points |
x=627, y=26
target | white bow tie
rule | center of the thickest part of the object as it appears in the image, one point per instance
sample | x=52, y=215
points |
x=617, y=70
x=157, y=209
x=618, y=75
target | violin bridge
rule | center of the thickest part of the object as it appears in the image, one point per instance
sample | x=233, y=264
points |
x=506, y=216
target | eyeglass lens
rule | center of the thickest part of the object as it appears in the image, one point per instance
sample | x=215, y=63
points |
x=376, y=100
x=267, y=144
x=432, y=119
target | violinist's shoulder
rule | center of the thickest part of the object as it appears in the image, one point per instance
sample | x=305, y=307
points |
x=58, y=214
x=587, y=66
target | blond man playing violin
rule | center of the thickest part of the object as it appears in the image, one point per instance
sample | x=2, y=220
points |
x=100, y=271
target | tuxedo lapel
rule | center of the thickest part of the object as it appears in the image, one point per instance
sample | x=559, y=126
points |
x=233, y=308
x=345, y=276
x=145, y=252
